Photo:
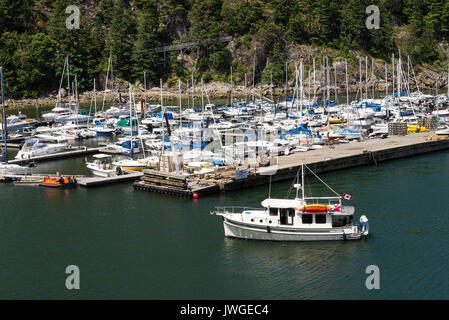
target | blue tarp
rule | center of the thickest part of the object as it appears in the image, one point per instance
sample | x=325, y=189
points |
x=296, y=131
x=169, y=115
x=202, y=145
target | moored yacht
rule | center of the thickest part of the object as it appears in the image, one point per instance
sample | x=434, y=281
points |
x=300, y=219
x=35, y=147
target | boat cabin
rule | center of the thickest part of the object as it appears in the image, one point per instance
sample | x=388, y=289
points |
x=103, y=161
x=285, y=212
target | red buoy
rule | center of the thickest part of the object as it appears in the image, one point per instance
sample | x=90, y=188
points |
x=195, y=196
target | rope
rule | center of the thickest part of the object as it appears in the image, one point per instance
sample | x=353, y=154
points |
x=323, y=181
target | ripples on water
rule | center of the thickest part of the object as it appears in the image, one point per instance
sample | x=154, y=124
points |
x=132, y=244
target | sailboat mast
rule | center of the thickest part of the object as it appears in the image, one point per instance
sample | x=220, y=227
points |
x=366, y=77
x=95, y=98
x=314, y=83
x=302, y=181
x=180, y=103
x=68, y=82
x=347, y=86
x=360, y=78
x=392, y=73
x=335, y=83
x=5, y=155
x=254, y=73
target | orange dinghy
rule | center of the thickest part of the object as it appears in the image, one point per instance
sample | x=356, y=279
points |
x=59, y=183
x=315, y=208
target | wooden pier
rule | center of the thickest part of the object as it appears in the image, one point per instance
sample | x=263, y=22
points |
x=75, y=152
x=175, y=185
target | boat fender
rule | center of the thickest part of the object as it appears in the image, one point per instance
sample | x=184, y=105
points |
x=268, y=229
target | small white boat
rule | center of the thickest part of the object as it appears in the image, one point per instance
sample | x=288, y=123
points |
x=300, y=219
x=442, y=132
x=14, y=169
x=102, y=165
x=129, y=164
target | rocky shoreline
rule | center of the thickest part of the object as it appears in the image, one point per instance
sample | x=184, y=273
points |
x=222, y=91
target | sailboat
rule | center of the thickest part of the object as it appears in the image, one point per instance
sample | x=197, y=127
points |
x=5, y=167
x=299, y=219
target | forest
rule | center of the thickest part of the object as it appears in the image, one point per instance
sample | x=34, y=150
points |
x=34, y=39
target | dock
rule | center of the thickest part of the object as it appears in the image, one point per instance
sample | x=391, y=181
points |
x=98, y=181
x=175, y=185
x=75, y=152
x=30, y=180
x=329, y=158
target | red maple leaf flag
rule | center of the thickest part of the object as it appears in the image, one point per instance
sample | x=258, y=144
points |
x=346, y=196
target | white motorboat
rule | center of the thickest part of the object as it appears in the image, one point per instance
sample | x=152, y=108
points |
x=35, y=147
x=442, y=132
x=14, y=123
x=129, y=164
x=300, y=219
x=14, y=169
x=102, y=165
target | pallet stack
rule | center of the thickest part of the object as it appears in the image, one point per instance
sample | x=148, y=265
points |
x=175, y=185
x=164, y=179
x=397, y=128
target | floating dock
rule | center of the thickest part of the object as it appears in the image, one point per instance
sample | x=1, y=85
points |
x=329, y=158
x=31, y=180
x=66, y=154
x=98, y=181
x=176, y=185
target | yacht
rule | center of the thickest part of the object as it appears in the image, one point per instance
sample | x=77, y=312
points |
x=300, y=219
x=35, y=147
x=15, y=123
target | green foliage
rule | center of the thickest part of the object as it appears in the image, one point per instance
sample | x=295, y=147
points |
x=34, y=40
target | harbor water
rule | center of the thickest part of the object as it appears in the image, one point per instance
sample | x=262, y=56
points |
x=133, y=244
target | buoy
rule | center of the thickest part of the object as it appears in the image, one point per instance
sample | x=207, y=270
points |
x=195, y=196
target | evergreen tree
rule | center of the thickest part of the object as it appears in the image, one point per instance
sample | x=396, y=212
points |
x=147, y=38
x=121, y=37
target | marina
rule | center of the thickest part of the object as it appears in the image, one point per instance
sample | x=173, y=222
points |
x=224, y=150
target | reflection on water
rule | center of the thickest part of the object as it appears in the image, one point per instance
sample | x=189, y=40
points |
x=131, y=244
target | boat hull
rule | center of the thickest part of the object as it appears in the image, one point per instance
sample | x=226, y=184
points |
x=234, y=230
x=134, y=168
x=62, y=186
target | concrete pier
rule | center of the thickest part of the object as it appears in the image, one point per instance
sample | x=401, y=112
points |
x=329, y=158
x=344, y=156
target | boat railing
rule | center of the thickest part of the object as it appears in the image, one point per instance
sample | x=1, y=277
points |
x=234, y=209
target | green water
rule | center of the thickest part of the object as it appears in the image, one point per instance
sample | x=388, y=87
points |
x=134, y=244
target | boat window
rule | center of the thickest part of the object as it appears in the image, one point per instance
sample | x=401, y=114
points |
x=273, y=211
x=285, y=217
x=307, y=218
x=320, y=218
x=339, y=221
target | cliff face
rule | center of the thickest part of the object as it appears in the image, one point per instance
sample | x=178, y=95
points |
x=267, y=35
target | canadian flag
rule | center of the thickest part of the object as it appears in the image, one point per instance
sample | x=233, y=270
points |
x=346, y=196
